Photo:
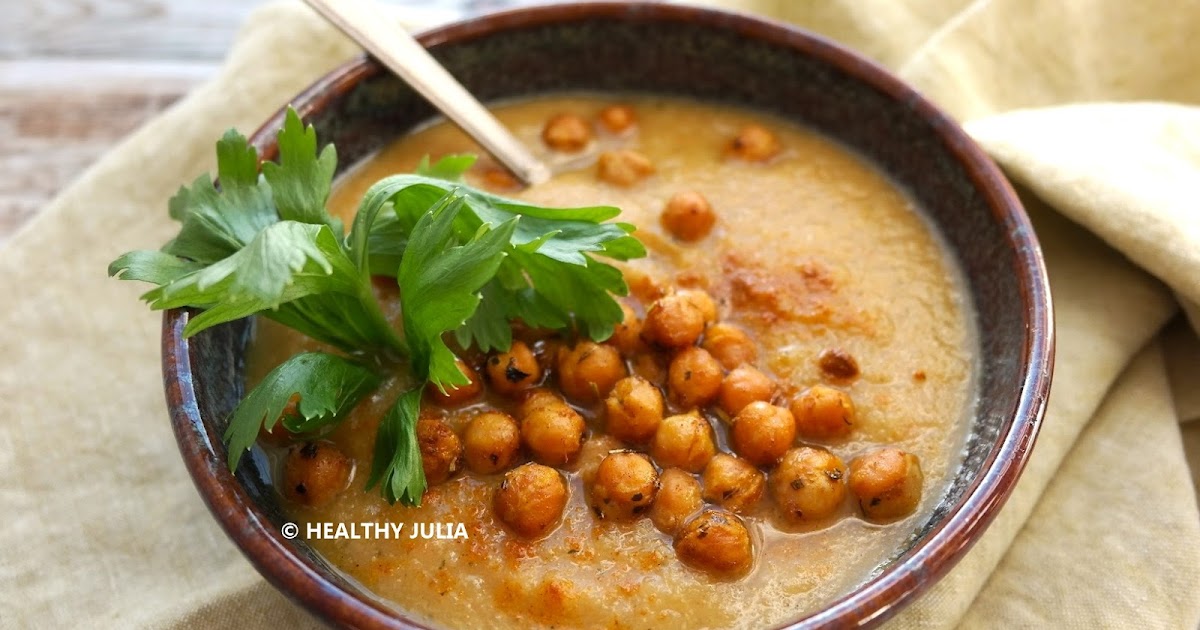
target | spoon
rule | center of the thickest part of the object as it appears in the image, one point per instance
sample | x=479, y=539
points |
x=399, y=52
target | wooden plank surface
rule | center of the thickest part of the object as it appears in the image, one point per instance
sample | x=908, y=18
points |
x=129, y=29
x=59, y=116
x=156, y=30
x=78, y=75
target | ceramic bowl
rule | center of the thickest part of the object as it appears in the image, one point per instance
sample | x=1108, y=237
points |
x=711, y=56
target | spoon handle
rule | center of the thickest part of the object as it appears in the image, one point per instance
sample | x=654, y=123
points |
x=396, y=49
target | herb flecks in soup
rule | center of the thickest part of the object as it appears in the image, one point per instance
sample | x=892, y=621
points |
x=779, y=406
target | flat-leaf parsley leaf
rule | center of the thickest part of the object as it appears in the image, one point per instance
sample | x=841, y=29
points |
x=466, y=262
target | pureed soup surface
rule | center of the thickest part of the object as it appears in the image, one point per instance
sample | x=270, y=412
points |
x=813, y=250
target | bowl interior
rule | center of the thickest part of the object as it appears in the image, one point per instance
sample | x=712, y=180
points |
x=709, y=56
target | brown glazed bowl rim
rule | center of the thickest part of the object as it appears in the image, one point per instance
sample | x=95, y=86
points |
x=870, y=604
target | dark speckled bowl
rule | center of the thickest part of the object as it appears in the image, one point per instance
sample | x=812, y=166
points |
x=706, y=55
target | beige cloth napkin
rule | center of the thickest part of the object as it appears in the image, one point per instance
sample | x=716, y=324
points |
x=103, y=529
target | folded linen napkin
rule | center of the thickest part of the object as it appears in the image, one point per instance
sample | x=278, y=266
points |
x=104, y=528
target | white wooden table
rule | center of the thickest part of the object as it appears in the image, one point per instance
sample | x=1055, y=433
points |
x=78, y=75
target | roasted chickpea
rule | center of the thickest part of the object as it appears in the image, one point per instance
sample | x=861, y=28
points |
x=730, y=345
x=589, y=371
x=626, y=335
x=617, y=118
x=715, y=542
x=441, y=450
x=744, y=385
x=624, y=486
x=460, y=394
x=762, y=433
x=531, y=499
x=694, y=378
x=677, y=500
x=673, y=321
x=754, y=143
x=643, y=286
x=823, y=413
x=732, y=483
x=314, y=473
x=633, y=409
x=837, y=364
x=513, y=371
x=536, y=399
x=651, y=366
x=279, y=435
x=701, y=300
x=808, y=484
x=594, y=450
x=566, y=132
x=887, y=483
x=688, y=216
x=683, y=441
x=553, y=433
x=491, y=442
x=623, y=168
x=498, y=180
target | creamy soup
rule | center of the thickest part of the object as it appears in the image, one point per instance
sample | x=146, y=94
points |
x=824, y=262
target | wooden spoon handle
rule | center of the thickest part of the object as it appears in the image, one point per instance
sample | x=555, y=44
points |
x=398, y=51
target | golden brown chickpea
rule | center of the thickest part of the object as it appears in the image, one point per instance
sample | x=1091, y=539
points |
x=716, y=542
x=314, y=473
x=531, y=499
x=441, y=450
x=754, y=143
x=279, y=435
x=688, y=216
x=730, y=345
x=678, y=499
x=887, y=483
x=701, y=300
x=673, y=321
x=457, y=395
x=498, y=180
x=643, y=286
x=553, y=434
x=492, y=442
x=732, y=483
x=594, y=450
x=617, y=118
x=694, y=378
x=744, y=385
x=823, y=413
x=531, y=335
x=624, y=486
x=513, y=371
x=809, y=484
x=566, y=132
x=589, y=371
x=838, y=365
x=633, y=409
x=762, y=433
x=538, y=398
x=683, y=441
x=623, y=168
x=651, y=366
x=626, y=335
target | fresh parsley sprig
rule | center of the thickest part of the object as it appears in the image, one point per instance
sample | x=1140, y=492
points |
x=466, y=262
